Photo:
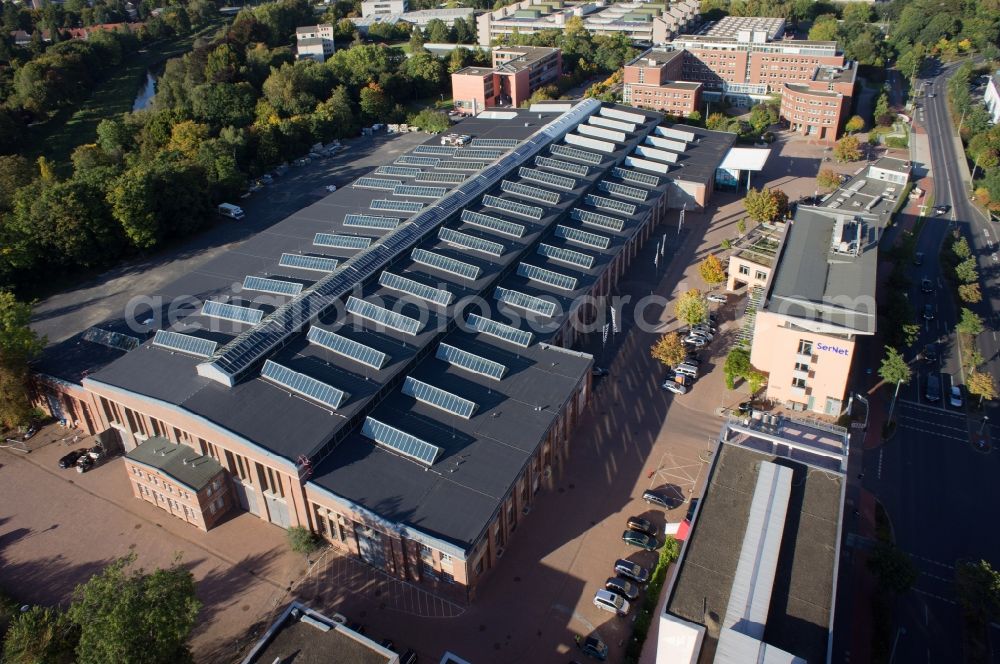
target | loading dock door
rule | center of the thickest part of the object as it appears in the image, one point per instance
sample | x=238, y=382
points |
x=370, y=546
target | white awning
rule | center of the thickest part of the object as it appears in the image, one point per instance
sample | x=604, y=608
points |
x=746, y=159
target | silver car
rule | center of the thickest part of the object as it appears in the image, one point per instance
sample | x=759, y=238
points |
x=687, y=370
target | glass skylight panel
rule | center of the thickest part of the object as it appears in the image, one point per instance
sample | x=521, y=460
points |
x=492, y=223
x=582, y=237
x=411, y=160
x=623, y=190
x=574, y=153
x=117, y=340
x=492, y=328
x=400, y=441
x=382, y=316
x=276, y=286
x=547, y=178
x=348, y=348
x=466, y=241
x=599, y=220
x=434, y=149
x=341, y=241
x=609, y=204
x=184, y=343
x=470, y=362
x=562, y=166
x=371, y=221
x=415, y=288
x=507, y=143
x=435, y=176
x=309, y=387
x=463, y=165
x=524, y=301
x=382, y=184
x=303, y=262
x=398, y=171
x=586, y=261
x=530, y=211
x=422, y=192
x=489, y=154
x=231, y=312
x=445, y=264
x=527, y=191
x=535, y=273
x=435, y=396
x=633, y=176
x=396, y=206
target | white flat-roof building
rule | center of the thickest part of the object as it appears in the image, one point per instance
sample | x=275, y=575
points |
x=314, y=42
x=383, y=7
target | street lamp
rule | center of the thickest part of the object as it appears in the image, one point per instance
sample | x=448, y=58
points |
x=986, y=420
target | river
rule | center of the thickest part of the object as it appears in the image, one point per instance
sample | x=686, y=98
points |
x=145, y=96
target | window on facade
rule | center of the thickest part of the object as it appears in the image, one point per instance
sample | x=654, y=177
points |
x=801, y=366
x=799, y=382
x=761, y=276
x=745, y=270
x=805, y=347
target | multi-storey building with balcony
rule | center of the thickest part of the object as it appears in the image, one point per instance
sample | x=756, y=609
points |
x=314, y=42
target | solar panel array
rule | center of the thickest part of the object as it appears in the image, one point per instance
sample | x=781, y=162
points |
x=470, y=362
x=492, y=328
x=526, y=191
x=396, y=206
x=417, y=161
x=488, y=154
x=117, y=340
x=623, y=190
x=435, y=396
x=400, y=441
x=303, y=262
x=530, y=211
x=300, y=383
x=599, y=220
x=450, y=178
x=495, y=143
x=607, y=134
x=371, y=221
x=276, y=286
x=415, y=288
x=574, y=153
x=463, y=165
x=492, y=223
x=582, y=237
x=434, y=149
x=382, y=184
x=586, y=261
x=341, y=241
x=524, y=301
x=632, y=176
x=398, y=171
x=562, y=166
x=609, y=204
x=348, y=348
x=547, y=178
x=453, y=237
x=535, y=273
x=422, y=192
x=231, y=312
x=185, y=343
x=382, y=316
x=445, y=264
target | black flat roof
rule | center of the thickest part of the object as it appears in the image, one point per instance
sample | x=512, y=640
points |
x=703, y=155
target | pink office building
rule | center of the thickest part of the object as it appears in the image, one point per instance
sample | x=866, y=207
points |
x=517, y=72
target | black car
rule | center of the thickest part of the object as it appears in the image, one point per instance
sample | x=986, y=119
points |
x=928, y=312
x=655, y=498
x=926, y=286
x=642, y=525
x=631, y=570
x=692, y=508
x=593, y=647
x=930, y=353
x=70, y=459
x=622, y=587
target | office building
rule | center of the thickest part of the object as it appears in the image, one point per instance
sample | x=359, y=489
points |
x=314, y=42
x=652, y=80
x=517, y=72
x=418, y=19
x=756, y=580
x=383, y=7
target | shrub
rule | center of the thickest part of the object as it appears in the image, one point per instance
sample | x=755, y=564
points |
x=896, y=142
x=302, y=540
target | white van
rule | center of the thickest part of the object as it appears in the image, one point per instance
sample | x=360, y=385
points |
x=231, y=211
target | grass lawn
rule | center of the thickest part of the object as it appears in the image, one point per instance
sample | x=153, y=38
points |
x=70, y=127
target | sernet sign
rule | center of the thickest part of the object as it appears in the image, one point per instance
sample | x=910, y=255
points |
x=837, y=350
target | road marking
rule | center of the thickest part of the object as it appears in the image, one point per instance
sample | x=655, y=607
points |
x=939, y=578
x=932, y=561
x=879, y=472
x=932, y=595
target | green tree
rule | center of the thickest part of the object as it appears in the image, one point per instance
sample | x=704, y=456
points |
x=712, y=271
x=15, y=172
x=970, y=323
x=691, y=308
x=881, y=106
x=669, y=350
x=961, y=248
x=426, y=72
x=302, y=540
x=437, y=32
x=737, y=366
x=374, y=103
x=978, y=590
x=40, y=636
x=893, y=568
x=894, y=369
x=741, y=226
x=717, y=122
x=335, y=118
x=825, y=30
x=982, y=385
x=19, y=344
x=967, y=271
x=132, y=617
x=828, y=179
x=855, y=124
x=433, y=122
x=762, y=116
x=847, y=149
x=765, y=205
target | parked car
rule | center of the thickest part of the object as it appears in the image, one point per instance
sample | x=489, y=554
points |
x=640, y=524
x=926, y=286
x=930, y=353
x=623, y=587
x=955, y=396
x=654, y=498
x=928, y=312
x=593, y=647
x=918, y=258
x=692, y=508
x=631, y=570
x=942, y=209
x=718, y=298
x=641, y=540
x=70, y=459
x=331, y=188
x=933, y=392
x=687, y=370
x=611, y=602
x=675, y=387
x=702, y=332
x=695, y=341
